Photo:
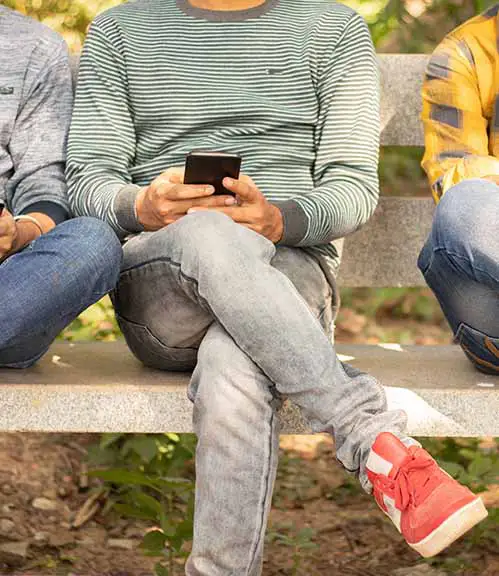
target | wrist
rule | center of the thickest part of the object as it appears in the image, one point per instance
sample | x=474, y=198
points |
x=26, y=232
x=139, y=204
x=278, y=227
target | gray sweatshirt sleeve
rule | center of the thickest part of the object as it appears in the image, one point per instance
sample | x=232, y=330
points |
x=38, y=141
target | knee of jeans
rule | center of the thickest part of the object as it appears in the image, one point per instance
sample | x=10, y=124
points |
x=98, y=249
x=217, y=238
x=461, y=219
x=203, y=227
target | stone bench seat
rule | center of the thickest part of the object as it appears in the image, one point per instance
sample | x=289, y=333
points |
x=100, y=387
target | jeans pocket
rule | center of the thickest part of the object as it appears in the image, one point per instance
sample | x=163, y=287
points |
x=152, y=352
x=481, y=349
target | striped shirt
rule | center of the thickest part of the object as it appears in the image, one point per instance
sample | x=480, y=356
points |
x=292, y=86
x=461, y=104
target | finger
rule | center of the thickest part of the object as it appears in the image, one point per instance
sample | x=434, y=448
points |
x=183, y=191
x=174, y=174
x=247, y=191
x=214, y=201
x=237, y=214
x=4, y=228
x=248, y=180
x=183, y=206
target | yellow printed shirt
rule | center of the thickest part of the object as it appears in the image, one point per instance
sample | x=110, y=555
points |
x=461, y=105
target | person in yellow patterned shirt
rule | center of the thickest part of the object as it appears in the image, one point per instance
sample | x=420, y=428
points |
x=460, y=260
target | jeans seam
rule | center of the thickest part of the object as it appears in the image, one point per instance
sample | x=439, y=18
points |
x=254, y=550
x=151, y=333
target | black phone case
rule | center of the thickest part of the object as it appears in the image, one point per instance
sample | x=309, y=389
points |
x=212, y=169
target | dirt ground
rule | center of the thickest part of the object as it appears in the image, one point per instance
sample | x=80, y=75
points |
x=321, y=524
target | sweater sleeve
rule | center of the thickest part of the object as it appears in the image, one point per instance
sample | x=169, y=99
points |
x=38, y=141
x=102, y=137
x=347, y=144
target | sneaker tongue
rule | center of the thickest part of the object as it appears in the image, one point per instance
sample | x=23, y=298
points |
x=398, y=456
x=392, y=452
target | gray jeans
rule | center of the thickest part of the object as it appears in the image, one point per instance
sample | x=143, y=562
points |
x=209, y=294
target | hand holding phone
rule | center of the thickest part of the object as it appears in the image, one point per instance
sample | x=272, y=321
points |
x=168, y=198
x=211, y=168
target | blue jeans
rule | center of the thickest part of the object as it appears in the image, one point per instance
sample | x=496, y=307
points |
x=460, y=263
x=50, y=283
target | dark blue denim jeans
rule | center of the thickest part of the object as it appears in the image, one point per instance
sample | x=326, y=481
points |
x=460, y=263
x=48, y=284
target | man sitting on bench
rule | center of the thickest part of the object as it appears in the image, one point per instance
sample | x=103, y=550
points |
x=50, y=269
x=460, y=260
x=244, y=292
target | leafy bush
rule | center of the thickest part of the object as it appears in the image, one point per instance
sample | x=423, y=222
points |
x=150, y=477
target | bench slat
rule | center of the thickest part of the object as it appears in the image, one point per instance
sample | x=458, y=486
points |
x=100, y=387
x=385, y=251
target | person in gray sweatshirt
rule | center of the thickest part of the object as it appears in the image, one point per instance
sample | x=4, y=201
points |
x=51, y=267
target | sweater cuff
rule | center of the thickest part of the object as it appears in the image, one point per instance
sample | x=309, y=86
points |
x=54, y=211
x=124, y=208
x=295, y=222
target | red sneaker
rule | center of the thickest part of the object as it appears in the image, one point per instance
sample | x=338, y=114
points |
x=427, y=506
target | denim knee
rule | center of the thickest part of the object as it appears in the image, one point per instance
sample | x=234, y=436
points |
x=97, y=247
x=461, y=222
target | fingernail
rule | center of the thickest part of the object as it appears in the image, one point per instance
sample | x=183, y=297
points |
x=191, y=211
x=209, y=189
x=229, y=181
x=230, y=201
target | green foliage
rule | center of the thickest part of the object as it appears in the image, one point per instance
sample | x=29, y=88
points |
x=150, y=478
x=97, y=323
x=69, y=17
x=414, y=303
x=466, y=460
x=299, y=541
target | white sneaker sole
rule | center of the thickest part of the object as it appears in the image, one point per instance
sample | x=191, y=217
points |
x=452, y=529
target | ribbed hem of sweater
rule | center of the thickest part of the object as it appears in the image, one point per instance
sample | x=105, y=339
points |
x=295, y=222
x=124, y=208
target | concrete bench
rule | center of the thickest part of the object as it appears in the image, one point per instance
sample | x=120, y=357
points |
x=100, y=387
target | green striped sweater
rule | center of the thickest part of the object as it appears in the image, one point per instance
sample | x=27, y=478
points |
x=292, y=86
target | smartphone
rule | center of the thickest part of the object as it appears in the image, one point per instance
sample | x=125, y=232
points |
x=2, y=206
x=212, y=168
